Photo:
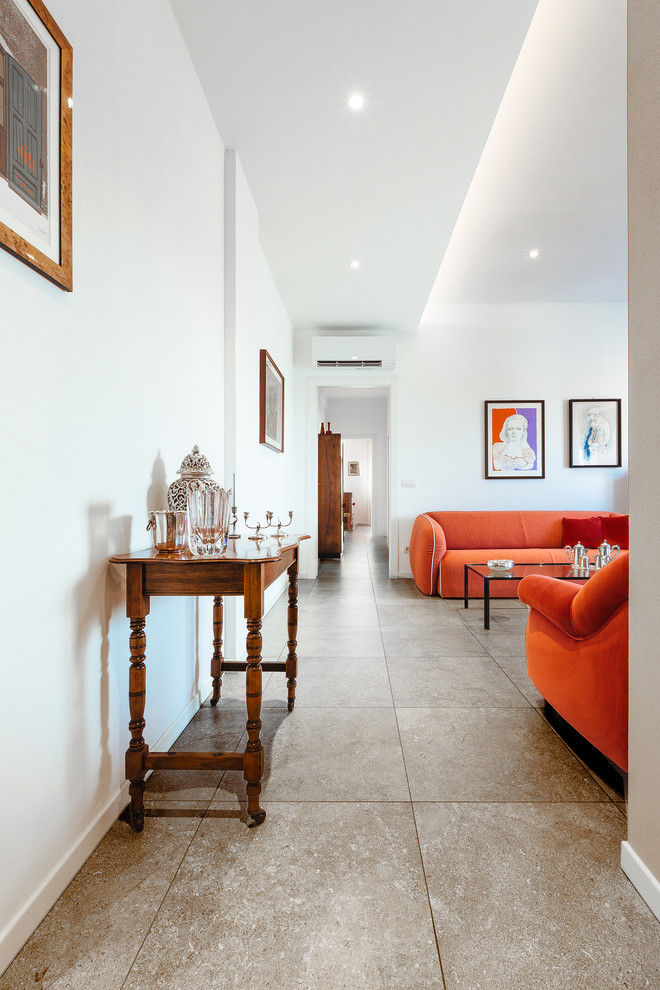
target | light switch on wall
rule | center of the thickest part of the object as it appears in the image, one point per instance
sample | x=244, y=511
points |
x=407, y=483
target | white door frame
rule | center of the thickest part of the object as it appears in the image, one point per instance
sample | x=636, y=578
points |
x=310, y=561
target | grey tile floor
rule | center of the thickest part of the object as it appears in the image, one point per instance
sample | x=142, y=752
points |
x=426, y=826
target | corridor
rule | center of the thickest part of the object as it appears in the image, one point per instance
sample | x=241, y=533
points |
x=426, y=826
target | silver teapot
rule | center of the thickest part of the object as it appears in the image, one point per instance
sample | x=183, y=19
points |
x=606, y=554
x=578, y=556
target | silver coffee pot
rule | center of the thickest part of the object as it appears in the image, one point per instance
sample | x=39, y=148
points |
x=606, y=554
x=578, y=556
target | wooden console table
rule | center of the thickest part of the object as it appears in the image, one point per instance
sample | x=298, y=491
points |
x=247, y=568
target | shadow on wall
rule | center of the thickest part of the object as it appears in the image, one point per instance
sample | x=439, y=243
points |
x=97, y=594
x=157, y=491
x=157, y=499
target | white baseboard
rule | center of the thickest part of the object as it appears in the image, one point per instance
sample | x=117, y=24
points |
x=18, y=931
x=641, y=878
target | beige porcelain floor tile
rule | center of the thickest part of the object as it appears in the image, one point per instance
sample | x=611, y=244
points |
x=233, y=690
x=324, y=641
x=90, y=937
x=357, y=682
x=211, y=730
x=489, y=754
x=444, y=641
x=502, y=620
x=477, y=604
x=392, y=589
x=326, y=896
x=340, y=598
x=327, y=754
x=360, y=589
x=418, y=615
x=172, y=786
x=500, y=644
x=516, y=668
x=598, y=765
x=430, y=682
x=338, y=615
x=532, y=897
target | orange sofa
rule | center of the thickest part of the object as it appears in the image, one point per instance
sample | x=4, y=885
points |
x=442, y=542
x=577, y=653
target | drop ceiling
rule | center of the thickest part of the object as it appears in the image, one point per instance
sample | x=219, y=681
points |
x=488, y=129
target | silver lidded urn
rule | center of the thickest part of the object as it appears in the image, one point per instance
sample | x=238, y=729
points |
x=195, y=474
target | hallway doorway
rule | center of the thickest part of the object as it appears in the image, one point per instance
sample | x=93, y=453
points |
x=362, y=412
x=358, y=476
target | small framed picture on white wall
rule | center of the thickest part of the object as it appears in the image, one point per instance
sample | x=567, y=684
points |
x=594, y=427
x=354, y=468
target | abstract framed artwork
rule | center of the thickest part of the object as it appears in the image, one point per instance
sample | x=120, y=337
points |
x=36, y=117
x=271, y=403
x=515, y=439
x=594, y=432
x=354, y=468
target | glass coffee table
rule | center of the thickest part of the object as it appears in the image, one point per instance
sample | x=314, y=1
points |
x=565, y=572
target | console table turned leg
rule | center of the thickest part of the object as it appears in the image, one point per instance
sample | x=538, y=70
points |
x=292, y=621
x=216, y=659
x=253, y=760
x=137, y=748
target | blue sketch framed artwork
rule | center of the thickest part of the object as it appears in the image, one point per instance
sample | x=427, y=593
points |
x=594, y=432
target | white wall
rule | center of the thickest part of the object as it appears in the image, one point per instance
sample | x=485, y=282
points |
x=255, y=319
x=641, y=853
x=443, y=375
x=360, y=485
x=104, y=391
x=447, y=371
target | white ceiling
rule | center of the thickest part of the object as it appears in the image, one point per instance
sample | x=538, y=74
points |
x=480, y=138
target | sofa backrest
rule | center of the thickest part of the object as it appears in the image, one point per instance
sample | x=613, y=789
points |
x=507, y=529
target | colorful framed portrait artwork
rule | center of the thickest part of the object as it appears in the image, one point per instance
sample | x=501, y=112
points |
x=594, y=430
x=36, y=111
x=271, y=403
x=515, y=439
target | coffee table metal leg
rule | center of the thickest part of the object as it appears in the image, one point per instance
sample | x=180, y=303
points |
x=465, y=586
x=486, y=603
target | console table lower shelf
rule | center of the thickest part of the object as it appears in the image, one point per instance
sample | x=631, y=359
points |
x=246, y=570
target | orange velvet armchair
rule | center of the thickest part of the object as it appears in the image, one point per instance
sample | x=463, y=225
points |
x=577, y=653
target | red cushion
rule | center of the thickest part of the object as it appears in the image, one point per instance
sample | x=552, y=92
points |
x=588, y=532
x=615, y=530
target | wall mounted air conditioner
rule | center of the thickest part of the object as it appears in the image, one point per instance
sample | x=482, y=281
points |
x=353, y=352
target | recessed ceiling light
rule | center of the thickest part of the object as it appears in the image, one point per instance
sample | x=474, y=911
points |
x=355, y=263
x=534, y=253
x=356, y=101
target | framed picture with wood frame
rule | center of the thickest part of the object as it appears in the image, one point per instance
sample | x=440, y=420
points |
x=515, y=439
x=36, y=118
x=271, y=403
x=594, y=430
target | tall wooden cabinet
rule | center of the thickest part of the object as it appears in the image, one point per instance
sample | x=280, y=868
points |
x=331, y=530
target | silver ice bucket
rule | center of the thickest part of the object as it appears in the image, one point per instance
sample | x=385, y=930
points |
x=169, y=530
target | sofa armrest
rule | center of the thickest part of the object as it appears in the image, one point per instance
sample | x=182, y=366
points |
x=426, y=549
x=579, y=610
x=601, y=596
x=552, y=598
